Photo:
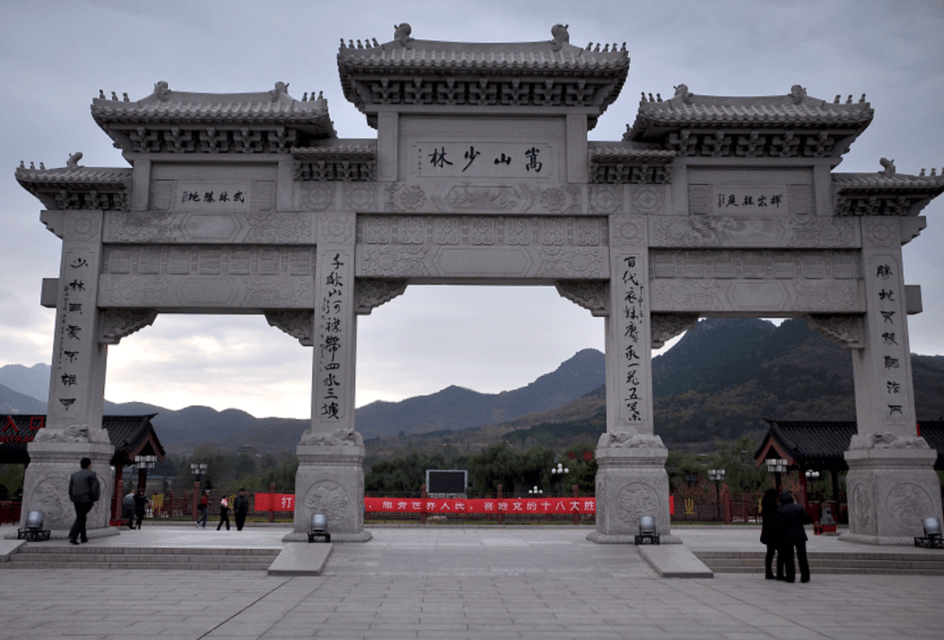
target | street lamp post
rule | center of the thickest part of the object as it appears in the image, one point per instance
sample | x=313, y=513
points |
x=717, y=475
x=144, y=464
x=776, y=466
x=197, y=469
x=560, y=470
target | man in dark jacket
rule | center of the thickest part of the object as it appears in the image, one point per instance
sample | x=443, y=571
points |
x=789, y=525
x=241, y=508
x=84, y=492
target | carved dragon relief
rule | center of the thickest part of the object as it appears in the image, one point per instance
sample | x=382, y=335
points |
x=667, y=326
x=846, y=330
x=118, y=323
x=589, y=294
x=371, y=293
x=297, y=323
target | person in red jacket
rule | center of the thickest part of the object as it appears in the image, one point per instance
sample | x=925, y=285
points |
x=204, y=508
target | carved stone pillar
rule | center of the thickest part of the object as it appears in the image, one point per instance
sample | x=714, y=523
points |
x=76, y=391
x=330, y=477
x=631, y=479
x=891, y=484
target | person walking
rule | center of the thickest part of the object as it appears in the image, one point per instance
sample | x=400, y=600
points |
x=224, y=514
x=204, y=508
x=84, y=492
x=140, y=506
x=789, y=524
x=768, y=534
x=241, y=509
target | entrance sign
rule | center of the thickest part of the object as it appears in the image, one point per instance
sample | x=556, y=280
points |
x=481, y=173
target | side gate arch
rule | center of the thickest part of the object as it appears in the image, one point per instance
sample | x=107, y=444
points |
x=481, y=172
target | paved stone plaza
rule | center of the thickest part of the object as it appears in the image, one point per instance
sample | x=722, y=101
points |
x=464, y=583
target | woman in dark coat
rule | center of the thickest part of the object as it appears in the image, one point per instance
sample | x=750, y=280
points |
x=140, y=507
x=768, y=534
x=789, y=524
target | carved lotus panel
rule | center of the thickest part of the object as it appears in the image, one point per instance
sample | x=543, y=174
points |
x=635, y=500
x=329, y=498
x=906, y=505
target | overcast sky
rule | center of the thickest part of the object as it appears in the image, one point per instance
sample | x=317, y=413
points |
x=55, y=56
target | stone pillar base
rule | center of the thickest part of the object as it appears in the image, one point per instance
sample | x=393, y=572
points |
x=46, y=484
x=890, y=491
x=330, y=480
x=631, y=483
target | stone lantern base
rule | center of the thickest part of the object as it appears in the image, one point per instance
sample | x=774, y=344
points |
x=890, y=491
x=631, y=483
x=330, y=480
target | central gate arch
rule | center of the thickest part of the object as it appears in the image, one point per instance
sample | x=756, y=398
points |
x=482, y=172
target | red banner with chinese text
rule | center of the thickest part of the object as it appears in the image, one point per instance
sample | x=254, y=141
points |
x=275, y=502
x=455, y=505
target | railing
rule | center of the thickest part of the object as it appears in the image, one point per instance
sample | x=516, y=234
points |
x=10, y=512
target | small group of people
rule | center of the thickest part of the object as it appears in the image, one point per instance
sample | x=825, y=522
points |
x=134, y=508
x=782, y=521
x=240, y=510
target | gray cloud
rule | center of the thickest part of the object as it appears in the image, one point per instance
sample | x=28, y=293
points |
x=56, y=56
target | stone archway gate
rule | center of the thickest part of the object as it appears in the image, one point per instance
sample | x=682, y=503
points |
x=481, y=172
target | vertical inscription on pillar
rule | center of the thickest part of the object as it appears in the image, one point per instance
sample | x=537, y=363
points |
x=76, y=339
x=886, y=272
x=333, y=334
x=631, y=316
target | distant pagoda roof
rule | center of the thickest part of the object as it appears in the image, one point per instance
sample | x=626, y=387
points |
x=130, y=435
x=885, y=193
x=814, y=444
x=779, y=126
x=77, y=187
x=186, y=122
x=549, y=73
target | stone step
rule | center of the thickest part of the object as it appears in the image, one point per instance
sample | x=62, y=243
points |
x=97, y=557
x=864, y=563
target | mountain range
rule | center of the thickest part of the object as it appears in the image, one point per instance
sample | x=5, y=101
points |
x=719, y=381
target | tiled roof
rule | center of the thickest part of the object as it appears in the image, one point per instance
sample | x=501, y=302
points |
x=813, y=443
x=612, y=151
x=538, y=57
x=881, y=181
x=73, y=176
x=210, y=108
x=778, y=111
x=126, y=433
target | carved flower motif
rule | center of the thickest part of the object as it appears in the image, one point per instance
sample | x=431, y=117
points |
x=606, y=199
x=412, y=198
x=319, y=197
x=553, y=199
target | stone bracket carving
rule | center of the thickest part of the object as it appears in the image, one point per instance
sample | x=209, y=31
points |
x=338, y=437
x=589, y=294
x=297, y=323
x=627, y=440
x=887, y=440
x=846, y=330
x=667, y=326
x=118, y=323
x=73, y=434
x=371, y=293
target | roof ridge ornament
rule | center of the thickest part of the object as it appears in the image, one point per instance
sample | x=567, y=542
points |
x=161, y=90
x=280, y=88
x=401, y=34
x=686, y=95
x=561, y=36
x=889, y=166
x=73, y=161
x=797, y=93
